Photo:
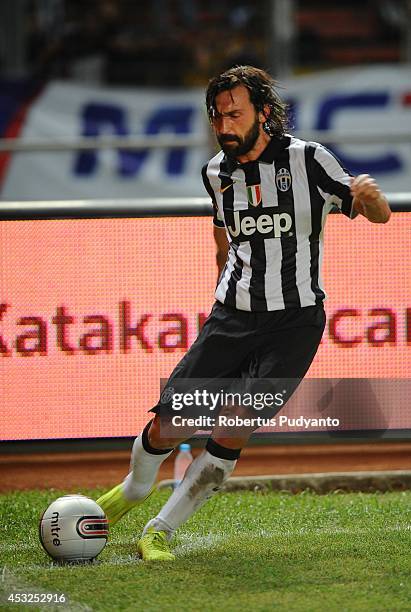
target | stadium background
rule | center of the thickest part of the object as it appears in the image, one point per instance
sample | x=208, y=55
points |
x=134, y=72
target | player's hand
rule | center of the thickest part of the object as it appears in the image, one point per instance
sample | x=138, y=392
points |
x=365, y=188
x=369, y=199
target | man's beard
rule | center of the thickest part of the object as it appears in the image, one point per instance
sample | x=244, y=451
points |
x=243, y=145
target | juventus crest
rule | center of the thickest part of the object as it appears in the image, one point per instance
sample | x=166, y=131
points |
x=283, y=179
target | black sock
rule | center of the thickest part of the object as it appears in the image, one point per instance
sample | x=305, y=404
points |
x=147, y=446
x=222, y=452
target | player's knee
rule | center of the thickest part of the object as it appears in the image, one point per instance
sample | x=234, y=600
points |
x=159, y=434
x=156, y=439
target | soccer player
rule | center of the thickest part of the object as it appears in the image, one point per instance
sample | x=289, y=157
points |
x=271, y=194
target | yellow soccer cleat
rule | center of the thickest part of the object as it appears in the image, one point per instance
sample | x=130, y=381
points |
x=153, y=546
x=115, y=505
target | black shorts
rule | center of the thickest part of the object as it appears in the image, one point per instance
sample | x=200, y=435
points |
x=279, y=344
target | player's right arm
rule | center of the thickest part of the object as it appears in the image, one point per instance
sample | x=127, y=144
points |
x=220, y=236
x=221, y=242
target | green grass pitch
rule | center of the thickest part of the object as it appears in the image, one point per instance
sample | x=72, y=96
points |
x=249, y=551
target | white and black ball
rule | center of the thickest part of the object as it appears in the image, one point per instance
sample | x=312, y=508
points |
x=73, y=529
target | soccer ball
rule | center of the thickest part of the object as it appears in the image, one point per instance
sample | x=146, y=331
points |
x=73, y=528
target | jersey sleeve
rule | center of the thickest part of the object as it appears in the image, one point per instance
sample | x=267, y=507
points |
x=334, y=181
x=217, y=220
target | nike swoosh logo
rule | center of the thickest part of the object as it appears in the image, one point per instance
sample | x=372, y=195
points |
x=222, y=189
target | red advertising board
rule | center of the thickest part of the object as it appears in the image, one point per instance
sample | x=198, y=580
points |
x=93, y=313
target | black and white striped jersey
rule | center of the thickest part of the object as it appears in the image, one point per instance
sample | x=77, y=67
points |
x=274, y=211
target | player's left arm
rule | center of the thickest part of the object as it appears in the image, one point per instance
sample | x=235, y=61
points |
x=369, y=200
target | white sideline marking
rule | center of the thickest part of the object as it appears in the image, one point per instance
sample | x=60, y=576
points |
x=211, y=540
x=218, y=536
x=191, y=542
x=12, y=547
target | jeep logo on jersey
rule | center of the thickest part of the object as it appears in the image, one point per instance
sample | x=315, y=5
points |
x=283, y=179
x=254, y=194
x=262, y=223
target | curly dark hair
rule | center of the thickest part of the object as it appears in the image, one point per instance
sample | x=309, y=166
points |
x=261, y=87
